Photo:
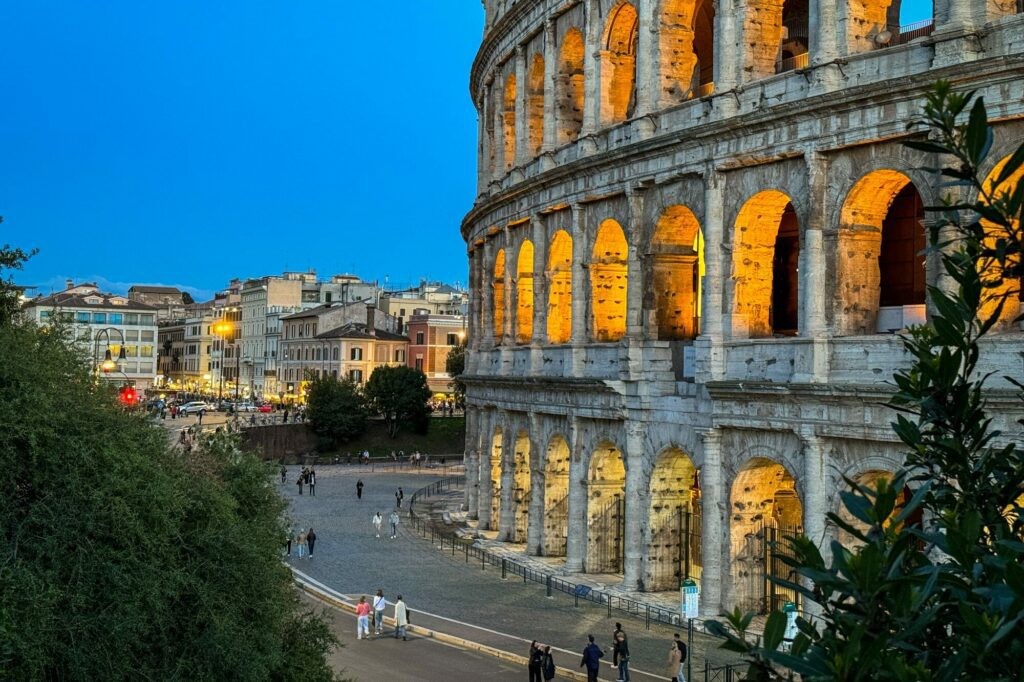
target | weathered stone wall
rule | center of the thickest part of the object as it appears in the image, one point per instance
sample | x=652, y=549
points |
x=281, y=441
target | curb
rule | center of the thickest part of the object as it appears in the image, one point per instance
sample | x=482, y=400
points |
x=427, y=633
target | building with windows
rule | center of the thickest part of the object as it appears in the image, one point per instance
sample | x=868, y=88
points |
x=169, y=301
x=695, y=233
x=431, y=297
x=102, y=322
x=431, y=338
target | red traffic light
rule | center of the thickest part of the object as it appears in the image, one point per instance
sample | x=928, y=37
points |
x=128, y=396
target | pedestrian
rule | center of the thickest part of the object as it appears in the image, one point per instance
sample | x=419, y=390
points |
x=359, y=489
x=288, y=541
x=379, y=604
x=252, y=419
x=677, y=659
x=311, y=480
x=363, y=613
x=535, y=662
x=592, y=656
x=394, y=524
x=398, y=500
x=377, y=520
x=622, y=651
x=201, y=413
x=285, y=415
x=401, y=496
x=299, y=482
x=311, y=541
x=548, y=664
x=284, y=473
x=615, y=638
x=401, y=618
x=300, y=541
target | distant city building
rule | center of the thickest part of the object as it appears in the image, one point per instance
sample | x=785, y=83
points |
x=100, y=322
x=169, y=301
x=431, y=338
x=434, y=298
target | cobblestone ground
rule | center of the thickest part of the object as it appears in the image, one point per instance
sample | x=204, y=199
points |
x=350, y=559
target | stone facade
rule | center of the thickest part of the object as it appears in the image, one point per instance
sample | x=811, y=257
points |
x=696, y=231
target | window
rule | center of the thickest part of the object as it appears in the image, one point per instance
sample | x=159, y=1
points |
x=419, y=364
x=402, y=312
x=131, y=318
x=132, y=335
x=334, y=373
x=45, y=314
x=99, y=318
x=335, y=353
x=82, y=317
x=419, y=338
x=356, y=375
x=399, y=355
x=146, y=318
x=327, y=297
x=146, y=351
x=115, y=318
x=356, y=354
x=453, y=339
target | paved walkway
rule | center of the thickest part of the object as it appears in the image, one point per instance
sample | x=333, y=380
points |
x=349, y=559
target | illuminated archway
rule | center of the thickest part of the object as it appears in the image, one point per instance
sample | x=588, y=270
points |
x=618, y=64
x=498, y=291
x=535, y=104
x=779, y=36
x=496, y=454
x=765, y=509
x=559, y=273
x=608, y=282
x=677, y=270
x=687, y=48
x=766, y=251
x=1003, y=283
x=569, y=87
x=524, y=293
x=880, y=260
x=521, y=487
x=674, y=552
x=508, y=119
x=606, y=488
x=556, y=497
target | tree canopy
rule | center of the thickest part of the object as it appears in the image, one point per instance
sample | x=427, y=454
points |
x=336, y=410
x=455, y=366
x=399, y=394
x=10, y=259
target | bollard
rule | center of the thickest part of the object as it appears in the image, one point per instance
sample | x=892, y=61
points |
x=648, y=623
x=548, y=581
x=504, y=568
x=466, y=547
x=483, y=561
x=689, y=647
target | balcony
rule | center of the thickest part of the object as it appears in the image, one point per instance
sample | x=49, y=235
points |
x=799, y=61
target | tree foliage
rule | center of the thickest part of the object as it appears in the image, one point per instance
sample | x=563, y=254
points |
x=10, y=259
x=399, y=394
x=455, y=366
x=336, y=410
x=124, y=560
x=942, y=599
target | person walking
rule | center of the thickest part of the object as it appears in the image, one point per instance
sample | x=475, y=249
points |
x=285, y=416
x=615, y=639
x=677, y=659
x=379, y=604
x=535, y=662
x=311, y=541
x=401, y=618
x=288, y=540
x=622, y=650
x=311, y=480
x=299, y=482
x=300, y=541
x=201, y=413
x=359, y=489
x=377, y=521
x=398, y=499
x=592, y=656
x=393, y=519
x=401, y=496
x=548, y=665
x=363, y=616
x=284, y=473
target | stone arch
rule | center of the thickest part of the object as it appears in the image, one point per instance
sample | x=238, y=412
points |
x=674, y=519
x=497, y=446
x=524, y=293
x=677, y=269
x=606, y=489
x=866, y=19
x=777, y=36
x=508, y=120
x=559, y=274
x=687, y=48
x=766, y=251
x=570, y=87
x=521, y=486
x=618, y=64
x=880, y=268
x=998, y=286
x=556, y=496
x=535, y=104
x=764, y=508
x=608, y=282
x=498, y=295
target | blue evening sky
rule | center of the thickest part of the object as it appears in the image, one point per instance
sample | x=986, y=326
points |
x=187, y=142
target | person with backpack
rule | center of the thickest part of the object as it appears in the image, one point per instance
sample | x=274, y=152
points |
x=535, y=662
x=622, y=652
x=548, y=664
x=311, y=541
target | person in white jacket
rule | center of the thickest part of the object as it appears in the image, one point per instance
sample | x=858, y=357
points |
x=377, y=521
x=379, y=604
x=401, y=618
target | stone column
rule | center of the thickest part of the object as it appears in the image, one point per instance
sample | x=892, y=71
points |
x=481, y=156
x=540, y=282
x=507, y=517
x=714, y=541
x=822, y=24
x=484, y=474
x=472, y=462
x=550, y=85
x=636, y=505
x=488, y=139
x=634, y=269
x=580, y=285
x=511, y=258
x=522, y=130
x=648, y=82
x=591, y=67
x=813, y=285
x=709, y=346
x=486, y=338
x=498, y=115
x=535, y=525
x=728, y=50
x=576, y=541
x=815, y=496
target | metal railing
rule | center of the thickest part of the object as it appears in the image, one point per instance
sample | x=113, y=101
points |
x=918, y=29
x=797, y=61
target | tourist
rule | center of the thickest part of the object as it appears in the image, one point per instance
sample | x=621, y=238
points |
x=592, y=656
x=285, y=415
x=201, y=414
x=401, y=618
x=398, y=499
x=363, y=613
x=622, y=652
x=677, y=659
x=401, y=496
x=284, y=472
x=548, y=664
x=359, y=489
x=288, y=540
x=535, y=662
x=377, y=521
x=311, y=480
x=310, y=539
x=299, y=481
x=300, y=542
x=379, y=604
x=394, y=524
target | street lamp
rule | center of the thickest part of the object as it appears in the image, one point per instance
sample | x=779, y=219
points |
x=223, y=329
x=108, y=365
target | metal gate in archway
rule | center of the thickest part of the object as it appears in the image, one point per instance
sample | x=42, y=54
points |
x=678, y=532
x=607, y=538
x=760, y=557
x=556, y=526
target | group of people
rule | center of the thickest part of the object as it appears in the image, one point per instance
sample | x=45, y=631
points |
x=541, y=663
x=393, y=519
x=592, y=655
x=306, y=477
x=365, y=612
x=305, y=541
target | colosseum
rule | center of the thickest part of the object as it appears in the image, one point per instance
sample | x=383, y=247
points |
x=696, y=236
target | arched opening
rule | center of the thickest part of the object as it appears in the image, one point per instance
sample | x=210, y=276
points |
x=881, y=265
x=765, y=259
x=569, y=95
x=498, y=290
x=765, y=509
x=508, y=119
x=524, y=294
x=496, y=448
x=608, y=282
x=535, y=104
x=606, y=489
x=867, y=20
x=778, y=36
x=521, y=487
x=556, y=497
x=677, y=271
x=559, y=272
x=687, y=48
x=674, y=552
x=1003, y=282
x=618, y=64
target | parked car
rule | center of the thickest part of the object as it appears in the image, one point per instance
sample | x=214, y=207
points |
x=240, y=407
x=195, y=407
x=266, y=407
